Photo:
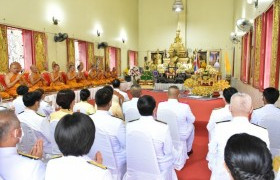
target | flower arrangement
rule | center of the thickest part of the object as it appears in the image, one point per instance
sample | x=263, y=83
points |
x=190, y=83
x=125, y=72
x=220, y=85
x=134, y=72
x=202, y=91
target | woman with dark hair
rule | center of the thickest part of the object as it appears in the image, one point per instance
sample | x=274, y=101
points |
x=74, y=135
x=248, y=158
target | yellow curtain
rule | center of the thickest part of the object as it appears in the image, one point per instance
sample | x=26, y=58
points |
x=258, y=37
x=40, y=51
x=4, y=59
x=275, y=40
x=70, y=52
x=90, y=55
x=107, y=59
x=118, y=63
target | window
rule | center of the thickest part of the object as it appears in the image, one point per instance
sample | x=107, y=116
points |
x=15, y=46
x=132, y=59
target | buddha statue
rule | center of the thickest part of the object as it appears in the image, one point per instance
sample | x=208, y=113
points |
x=158, y=58
x=178, y=46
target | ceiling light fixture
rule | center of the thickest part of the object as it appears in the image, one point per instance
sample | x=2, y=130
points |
x=178, y=6
x=255, y=2
x=55, y=21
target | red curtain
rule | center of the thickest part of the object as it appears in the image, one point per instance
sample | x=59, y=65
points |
x=268, y=48
x=83, y=53
x=131, y=59
x=246, y=57
x=112, y=57
x=28, y=48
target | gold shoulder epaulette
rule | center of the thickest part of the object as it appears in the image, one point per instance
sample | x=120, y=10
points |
x=28, y=156
x=56, y=156
x=116, y=117
x=21, y=112
x=258, y=108
x=40, y=114
x=3, y=107
x=133, y=120
x=160, y=121
x=259, y=126
x=222, y=121
x=97, y=164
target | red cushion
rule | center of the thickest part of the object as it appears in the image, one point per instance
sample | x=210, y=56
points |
x=64, y=77
x=2, y=80
x=25, y=76
x=47, y=77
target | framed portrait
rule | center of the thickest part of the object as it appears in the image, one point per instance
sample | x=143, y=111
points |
x=214, y=56
x=202, y=57
x=99, y=62
x=157, y=58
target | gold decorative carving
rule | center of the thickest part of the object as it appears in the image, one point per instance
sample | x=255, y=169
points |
x=4, y=59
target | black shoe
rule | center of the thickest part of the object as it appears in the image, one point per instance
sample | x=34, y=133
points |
x=190, y=153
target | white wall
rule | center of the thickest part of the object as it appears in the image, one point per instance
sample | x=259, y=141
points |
x=244, y=10
x=79, y=19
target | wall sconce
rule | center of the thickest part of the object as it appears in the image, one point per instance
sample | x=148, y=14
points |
x=98, y=33
x=255, y=2
x=123, y=40
x=55, y=21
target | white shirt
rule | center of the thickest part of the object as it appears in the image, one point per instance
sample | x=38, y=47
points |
x=223, y=131
x=74, y=168
x=38, y=123
x=161, y=139
x=115, y=128
x=258, y=114
x=124, y=94
x=18, y=105
x=84, y=107
x=14, y=166
x=218, y=115
x=183, y=112
x=45, y=108
x=130, y=104
x=2, y=108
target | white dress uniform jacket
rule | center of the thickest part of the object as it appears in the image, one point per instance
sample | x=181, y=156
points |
x=124, y=94
x=115, y=128
x=14, y=166
x=18, y=105
x=40, y=124
x=218, y=115
x=161, y=139
x=45, y=108
x=84, y=107
x=185, y=119
x=74, y=168
x=258, y=114
x=223, y=131
x=130, y=104
x=2, y=108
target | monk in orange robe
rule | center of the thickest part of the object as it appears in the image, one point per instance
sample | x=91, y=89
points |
x=14, y=78
x=92, y=76
x=57, y=80
x=81, y=76
x=72, y=78
x=3, y=94
x=37, y=81
x=101, y=77
x=108, y=76
x=114, y=73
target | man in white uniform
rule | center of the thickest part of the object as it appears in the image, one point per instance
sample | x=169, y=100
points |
x=113, y=127
x=116, y=85
x=14, y=165
x=185, y=117
x=159, y=132
x=18, y=103
x=270, y=96
x=38, y=123
x=45, y=107
x=74, y=136
x=240, y=107
x=221, y=114
x=136, y=92
x=84, y=106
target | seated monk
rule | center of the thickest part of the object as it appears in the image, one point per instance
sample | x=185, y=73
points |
x=36, y=80
x=3, y=94
x=108, y=76
x=114, y=73
x=81, y=76
x=72, y=78
x=92, y=76
x=56, y=79
x=14, y=78
x=100, y=77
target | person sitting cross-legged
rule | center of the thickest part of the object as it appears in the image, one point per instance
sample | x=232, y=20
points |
x=15, y=165
x=84, y=106
x=247, y=157
x=74, y=136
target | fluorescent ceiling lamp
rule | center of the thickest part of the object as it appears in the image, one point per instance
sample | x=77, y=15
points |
x=178, y=6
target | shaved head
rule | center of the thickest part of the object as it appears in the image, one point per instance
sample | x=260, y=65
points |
x=8, y=121
x=241, y=104
x=173, y=92
x=136, y=91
